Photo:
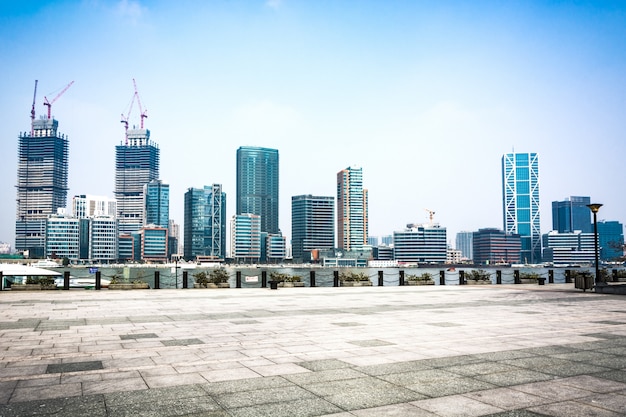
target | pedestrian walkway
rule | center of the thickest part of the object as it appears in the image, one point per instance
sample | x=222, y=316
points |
x=505, y=350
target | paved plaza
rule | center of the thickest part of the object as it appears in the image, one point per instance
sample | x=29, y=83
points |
x=493, y=350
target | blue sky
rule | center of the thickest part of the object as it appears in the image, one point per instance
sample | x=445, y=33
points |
x=425, y=96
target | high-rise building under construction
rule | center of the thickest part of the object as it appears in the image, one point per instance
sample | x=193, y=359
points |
x=41, y=183
x=136, y=164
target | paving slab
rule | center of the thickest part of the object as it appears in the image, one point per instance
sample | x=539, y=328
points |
x=505, y=351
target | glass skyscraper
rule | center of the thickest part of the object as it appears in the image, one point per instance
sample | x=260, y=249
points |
x=312, y=225
x=520, y=202
x=352, y=220
x=205, y=222
x=41, y=183
x=157, y=203
x=572, y=214
x=136, y=164
x=257, y=185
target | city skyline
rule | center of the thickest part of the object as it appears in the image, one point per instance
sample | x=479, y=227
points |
x=424, y=97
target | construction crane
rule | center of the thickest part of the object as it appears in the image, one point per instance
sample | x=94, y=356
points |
x=32, y=111
x=142, y=113
x=125, y=118
x=431, y=214
x=49, y=103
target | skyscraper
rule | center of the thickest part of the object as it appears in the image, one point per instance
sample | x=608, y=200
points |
x=464, y=242
x=572, y=214
x=157, y=203
x=257, y=185
x=41, y=183
x=520, y=202
x=245, y=241
x=312, y=225
x=352, y=220
x=136, y=164
x=205, y=222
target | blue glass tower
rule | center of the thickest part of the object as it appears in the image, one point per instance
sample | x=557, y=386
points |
x=205, y=222
x=520, y=202
x=572, y=214
x=157, y=203
x=257, y=185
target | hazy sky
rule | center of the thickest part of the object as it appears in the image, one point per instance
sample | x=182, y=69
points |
x=425, y=96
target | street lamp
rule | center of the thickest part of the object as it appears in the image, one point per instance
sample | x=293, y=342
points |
x=594, y=209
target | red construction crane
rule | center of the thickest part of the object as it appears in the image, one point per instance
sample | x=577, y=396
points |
x=32, y=112
x=142, y=114
x=125, y=118
x=49, y=103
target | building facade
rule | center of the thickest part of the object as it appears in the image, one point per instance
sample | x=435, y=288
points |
x=464, y=243
x=156, y=196
x=103, y=238
x=205, y=223
x=312, y=225
x=245, y=238
x=572, y=214
x=494, y=246
x=154, y=243
x=42, y=171
x=352, y=216
x=136, y=164
x=611, y=240
x=84, y=206
x=425, y=243
x=568, y=248
x=520, y=202
x=275, y=250
x=62, y=237
x=257, y=185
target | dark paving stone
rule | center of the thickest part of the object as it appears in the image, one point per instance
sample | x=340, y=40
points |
x=370, y=343
x=299, y=407
x=323, y=376
x=126, y=398
x=138, y=336
x=92, y=405
x=244, y=385
x=453, y=360
x=619, y=375
x=517, y=413
x=394, y=368
x=263, y=396
x=182, y=342
x=480, y=368
x=573, y=369
x=450, y=386
x=610, y=361
x=170, y=407
x=324, y=364
x=504, y=355
x=551, y=350
x=73, y=367
x=507, y=379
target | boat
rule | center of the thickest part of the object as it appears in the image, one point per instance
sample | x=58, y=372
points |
x=86, y=282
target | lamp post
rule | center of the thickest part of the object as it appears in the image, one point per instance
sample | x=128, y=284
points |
x=594, y=209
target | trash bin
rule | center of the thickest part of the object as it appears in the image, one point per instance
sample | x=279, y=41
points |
x=273, y=285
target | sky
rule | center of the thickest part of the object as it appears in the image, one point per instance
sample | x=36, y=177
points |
x=426, y=96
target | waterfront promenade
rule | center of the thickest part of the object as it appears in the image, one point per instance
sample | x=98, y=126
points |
x=493, y=350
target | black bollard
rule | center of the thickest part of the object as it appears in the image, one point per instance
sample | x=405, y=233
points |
x=263, y=279
x=157, y=280
x=185, y=279
x=335, y=278
x=1, y=281
x=568, y=277
x=98, y=280
x=615, y=277
x=312, y=278
x=461, y=277
x=238, y=280
x=498, y=277
x=442, y=277
x=550, y=276
x=401, y=279
x=66, y=280
x=380, y=278
x=516, y=278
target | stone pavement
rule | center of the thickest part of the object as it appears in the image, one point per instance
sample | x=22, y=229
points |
x=366, y=351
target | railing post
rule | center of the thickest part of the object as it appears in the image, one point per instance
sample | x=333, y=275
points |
x=1, y=281
x=550, y=276
x=66, y=280
x=98, y=280
x=498, y=277
x=461, y=277
x=335, y=278
x=380, y=278
x=238, y=280
x=263, y=279
x=568, y=277
x=157, y=280
x=185, y=279
x=312, y=278
x=401, y=279
x=442, y=277
x=615, y=277
x=516, y=278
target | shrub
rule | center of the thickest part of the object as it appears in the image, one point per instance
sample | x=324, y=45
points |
x=218, y=276
x=423, y=277
x=478, y=275
x=353, y=276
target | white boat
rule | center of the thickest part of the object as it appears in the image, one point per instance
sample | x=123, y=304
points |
x=86, y=282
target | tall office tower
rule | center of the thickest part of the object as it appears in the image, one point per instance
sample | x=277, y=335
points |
x=41, y=183
x=572, y=214
x=63, y=236
x=520, y=202
x=205, y=223
x=352, y=220
x=464, y=244
x=257, y=185
x=611, y=240
x=493, y=246
x=156, y=203
x=85, y=206
x=136, y=164
x=245, y=241
x=312, y=225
